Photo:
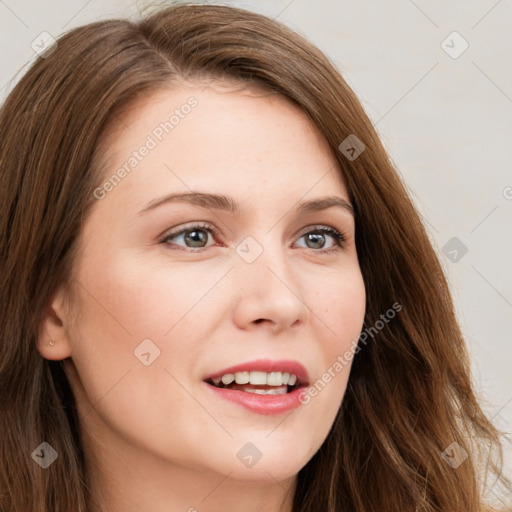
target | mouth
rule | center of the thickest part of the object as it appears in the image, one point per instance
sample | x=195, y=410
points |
x=263, y=386
x=259, y=383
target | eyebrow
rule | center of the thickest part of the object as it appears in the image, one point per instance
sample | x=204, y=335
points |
x=228, y=204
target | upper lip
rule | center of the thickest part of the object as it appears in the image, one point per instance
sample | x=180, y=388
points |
x=268, y=366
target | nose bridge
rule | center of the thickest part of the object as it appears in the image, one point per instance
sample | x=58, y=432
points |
x=268, y=287
x=264, y=258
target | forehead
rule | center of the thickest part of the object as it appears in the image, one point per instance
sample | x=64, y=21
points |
x=223, y=138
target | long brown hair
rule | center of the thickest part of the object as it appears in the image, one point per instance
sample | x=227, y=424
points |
x=409, y=395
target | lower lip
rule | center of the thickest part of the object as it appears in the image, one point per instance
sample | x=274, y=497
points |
x=261, y=404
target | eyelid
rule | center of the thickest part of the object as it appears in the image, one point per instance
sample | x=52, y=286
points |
x=322, y=227
x=189, y=226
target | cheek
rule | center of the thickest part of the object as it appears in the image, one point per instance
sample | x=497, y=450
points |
x=126, y=295
x=341, y=304
x=341, y=307
x=130, y=314
x=129, y=309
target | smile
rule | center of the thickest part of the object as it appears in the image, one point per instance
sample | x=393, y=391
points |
x=263, y=386
x=263, y=383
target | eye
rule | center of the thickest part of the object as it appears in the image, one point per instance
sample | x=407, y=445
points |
x=316, y=238
x=194, y=237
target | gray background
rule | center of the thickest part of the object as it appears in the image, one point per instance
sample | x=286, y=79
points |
x=445, y=118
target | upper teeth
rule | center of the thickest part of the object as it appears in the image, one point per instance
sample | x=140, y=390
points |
x=258, y=378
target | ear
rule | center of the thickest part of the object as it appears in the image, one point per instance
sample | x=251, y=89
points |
x=53, y=342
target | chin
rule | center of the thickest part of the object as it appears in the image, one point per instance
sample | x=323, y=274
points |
x=265, y=474
x=276, y=466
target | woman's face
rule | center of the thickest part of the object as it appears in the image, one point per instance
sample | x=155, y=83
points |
x=170, y=292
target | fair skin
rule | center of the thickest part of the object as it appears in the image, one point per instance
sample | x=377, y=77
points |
x=156, y=439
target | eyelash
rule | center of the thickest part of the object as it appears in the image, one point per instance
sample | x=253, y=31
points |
x=339, y=238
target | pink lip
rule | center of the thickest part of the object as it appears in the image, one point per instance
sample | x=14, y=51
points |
x=263, y=404
x=267, y=365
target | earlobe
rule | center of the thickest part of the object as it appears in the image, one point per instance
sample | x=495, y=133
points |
x=53, y=342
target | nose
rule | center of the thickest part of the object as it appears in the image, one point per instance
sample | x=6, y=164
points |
x=269, y=293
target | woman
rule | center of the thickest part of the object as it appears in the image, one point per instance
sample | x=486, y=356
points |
x=216, y=293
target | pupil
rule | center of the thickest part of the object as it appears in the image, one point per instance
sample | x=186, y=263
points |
x=196, y=237
x=315, y=238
